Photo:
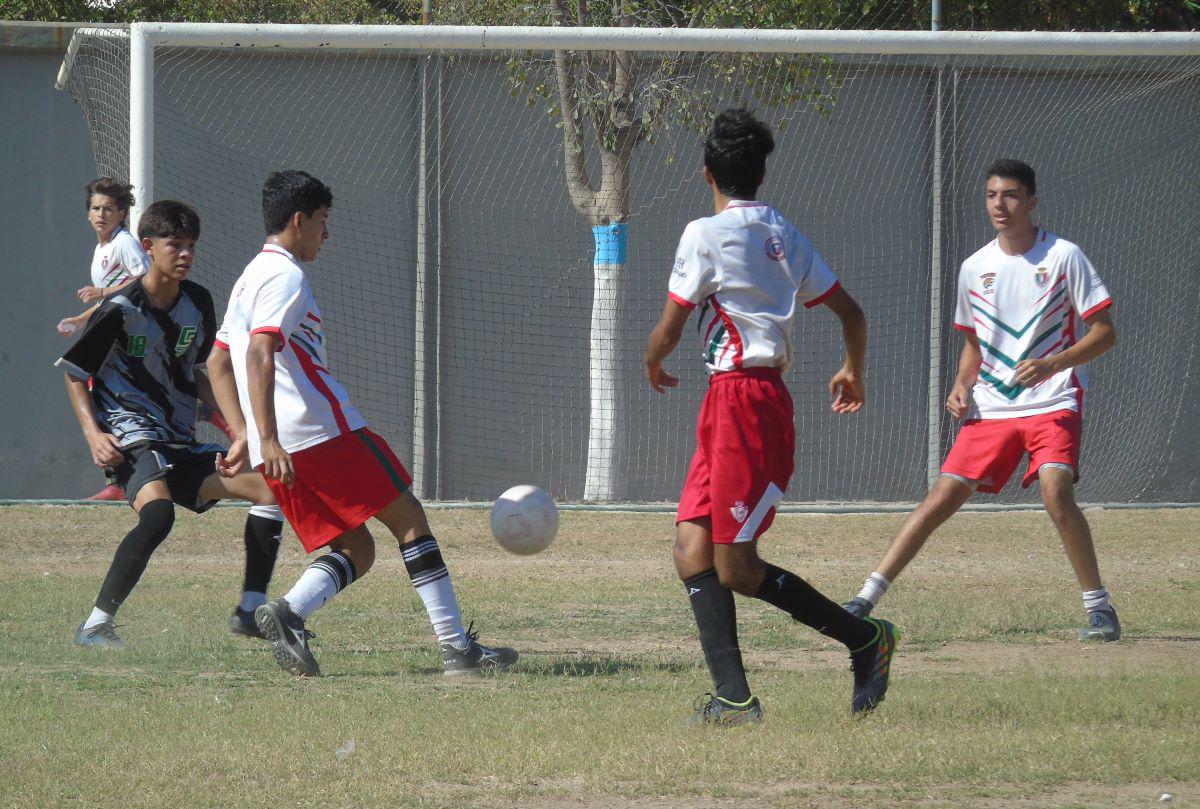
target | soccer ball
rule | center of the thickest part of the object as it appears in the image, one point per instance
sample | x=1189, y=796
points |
x=524, y=520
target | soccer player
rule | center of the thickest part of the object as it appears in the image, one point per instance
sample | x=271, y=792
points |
x=142, y=350
x=1033, y=311
x=329, y=472
x=747, y=267
x=117, y=259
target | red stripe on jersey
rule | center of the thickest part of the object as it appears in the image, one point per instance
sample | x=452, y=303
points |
x=686, y=304
x=731, y=332
x=975, y=294
x=961, y=327
x=314, y=317
x=1104, y=304
x=272, y=330
x=824, y=295
x=1053, y=287
x=220, y=345
x=314, y=376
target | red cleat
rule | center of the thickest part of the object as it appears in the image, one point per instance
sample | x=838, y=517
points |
x=109, y=492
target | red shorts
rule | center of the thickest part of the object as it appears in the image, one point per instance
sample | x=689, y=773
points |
x=745, y=442
x=989, y=450
x=340, y=484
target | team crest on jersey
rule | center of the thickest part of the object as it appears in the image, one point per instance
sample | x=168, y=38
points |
x=739, y=511
x=988, y=279
x=774, y=248
x=1041, y=275
x=186, y=335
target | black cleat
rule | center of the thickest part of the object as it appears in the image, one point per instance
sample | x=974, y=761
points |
x=713, y=710
x=242, y=623
x=858, y=607
x=871, y=666
x=101, y=636
x=285, y=629
x=475, y=658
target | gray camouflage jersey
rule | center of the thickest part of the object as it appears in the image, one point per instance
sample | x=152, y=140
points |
x=142, y=362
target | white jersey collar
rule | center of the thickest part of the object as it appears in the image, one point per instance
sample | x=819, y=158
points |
x=274, y=248
x=744, y=203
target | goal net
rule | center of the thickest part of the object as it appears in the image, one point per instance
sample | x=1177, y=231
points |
x=490, y=324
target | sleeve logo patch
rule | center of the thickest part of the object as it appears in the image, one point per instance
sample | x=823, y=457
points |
x=677, y=270
x=774, y=248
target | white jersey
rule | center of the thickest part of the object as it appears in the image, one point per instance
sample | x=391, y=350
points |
x=273, y=296
x=1027, y=307
x=119, y=261
x=748, y=266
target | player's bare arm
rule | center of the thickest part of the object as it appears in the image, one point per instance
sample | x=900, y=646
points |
x=1100, y=337
x=105, y=447
x=218, y=389
x=969, y=362
x=260, y=379
x=91, y=294
x=663, y=340
x=846, y=387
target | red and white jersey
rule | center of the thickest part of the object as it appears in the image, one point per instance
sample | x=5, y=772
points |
x=118, y=261
x=273, y=296
x=749, y=267
x=1027, y=307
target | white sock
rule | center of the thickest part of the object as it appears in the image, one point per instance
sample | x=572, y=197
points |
x=320, y=582
x=1096, y=600
x=270, y=512
x=97, y=617
x=874, y=588
x=252, y=601
x=428, y=572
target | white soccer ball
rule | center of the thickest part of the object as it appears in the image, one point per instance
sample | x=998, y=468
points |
x=524, y=520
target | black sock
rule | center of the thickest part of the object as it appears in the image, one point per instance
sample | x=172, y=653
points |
x=799, y=599
x=262, y=537
x=129, y=562
x=716, y=616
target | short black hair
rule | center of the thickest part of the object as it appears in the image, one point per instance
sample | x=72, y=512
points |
x=288, y=192
x=736, y=152
x=122, y=193
x=1014, y=170
x=169, y=219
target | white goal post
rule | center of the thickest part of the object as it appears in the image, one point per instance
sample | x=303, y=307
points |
x=603, y=477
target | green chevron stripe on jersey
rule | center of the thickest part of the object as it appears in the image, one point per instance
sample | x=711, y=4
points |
x=1055, y=298
x=711, y=355
x=1011, y=391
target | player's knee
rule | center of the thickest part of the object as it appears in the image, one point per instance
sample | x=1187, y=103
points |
x=360, y=547
x=739, y=577
x=156, y=518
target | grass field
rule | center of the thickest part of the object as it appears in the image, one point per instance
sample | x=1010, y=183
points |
x=993, y=702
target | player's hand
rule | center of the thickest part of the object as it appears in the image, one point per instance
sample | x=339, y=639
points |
x=1031, y=372
x=959, y=401
x=660, y=380
x=847, y=391
x=69, y=325
x=277, y=463
x=231, y=463
x=106, y=449
x=90, y=294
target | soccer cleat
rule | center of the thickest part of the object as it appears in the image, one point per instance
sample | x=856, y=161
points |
x=713, y=710
x=475, y=658
x=102, y=636
x=858, y=607
x=285, y=629
x=242, y=623
x=871, y=666
x=110, y=492
x=1102, y=626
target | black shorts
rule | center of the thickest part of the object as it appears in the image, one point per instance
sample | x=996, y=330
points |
x=184, y=468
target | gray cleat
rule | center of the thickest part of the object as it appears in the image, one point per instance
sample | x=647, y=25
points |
x=475, y=658
x=241, y=622
x=858, y=607
x=285, y=629
x=1102, y=626
x=712, y=710
x=102, y=636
